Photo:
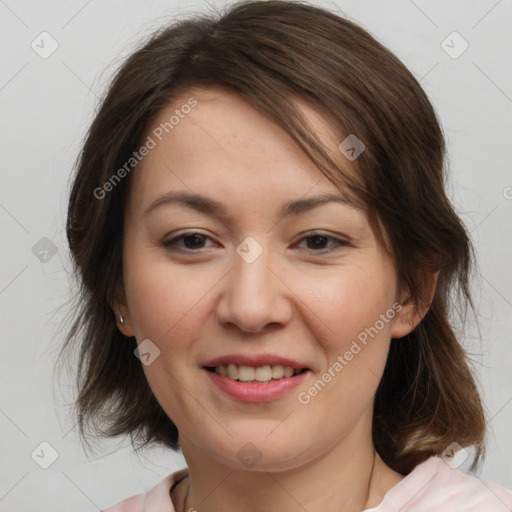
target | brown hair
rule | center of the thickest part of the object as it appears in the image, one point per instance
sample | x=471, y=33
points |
x=270, y=52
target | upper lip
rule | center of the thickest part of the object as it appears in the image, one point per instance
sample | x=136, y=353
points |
x=255, y=361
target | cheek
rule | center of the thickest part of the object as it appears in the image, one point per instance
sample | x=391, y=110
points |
x=351, y=318
x=349, y=301
x=164, y=298
x=167, y=306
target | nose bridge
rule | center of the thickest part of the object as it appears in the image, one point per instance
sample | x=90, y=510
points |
x=254, y=296
x=252, y=266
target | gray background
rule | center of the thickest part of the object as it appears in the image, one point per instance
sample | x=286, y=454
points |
x=48, y=103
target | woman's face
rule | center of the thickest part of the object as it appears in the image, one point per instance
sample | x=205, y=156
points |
x=307, y=284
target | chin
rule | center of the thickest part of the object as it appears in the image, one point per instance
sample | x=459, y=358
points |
x=257, y=453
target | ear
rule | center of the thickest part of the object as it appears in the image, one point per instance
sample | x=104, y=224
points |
x=408, y=317
x=120, y=308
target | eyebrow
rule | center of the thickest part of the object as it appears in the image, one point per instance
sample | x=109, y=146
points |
x=210, y=206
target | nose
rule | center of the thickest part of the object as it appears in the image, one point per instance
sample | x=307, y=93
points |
x=255, y=294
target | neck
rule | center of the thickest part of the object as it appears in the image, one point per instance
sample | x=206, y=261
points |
x=349, y=477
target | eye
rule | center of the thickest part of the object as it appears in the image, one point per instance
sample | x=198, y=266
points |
x=191, y=240
x=317, y=242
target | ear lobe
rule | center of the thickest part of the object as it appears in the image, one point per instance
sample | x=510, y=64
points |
x=409, y=316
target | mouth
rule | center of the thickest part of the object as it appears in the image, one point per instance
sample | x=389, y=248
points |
x=256, y=375
x=255, y=384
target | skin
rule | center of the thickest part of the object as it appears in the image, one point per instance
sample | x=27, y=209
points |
x=294, y=300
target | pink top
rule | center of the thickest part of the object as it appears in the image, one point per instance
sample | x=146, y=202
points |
x=432, y=486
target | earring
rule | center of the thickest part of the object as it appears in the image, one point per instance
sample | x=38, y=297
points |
x=121, y=317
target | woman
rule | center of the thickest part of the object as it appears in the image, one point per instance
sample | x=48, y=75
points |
x=268, y=259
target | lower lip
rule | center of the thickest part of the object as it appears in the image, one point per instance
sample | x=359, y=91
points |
x=256, y=392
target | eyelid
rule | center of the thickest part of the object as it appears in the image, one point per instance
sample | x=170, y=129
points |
x=319, y=232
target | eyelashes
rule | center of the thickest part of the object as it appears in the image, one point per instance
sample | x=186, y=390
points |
x=173, y=243
x=318, y=236
x=193, y=242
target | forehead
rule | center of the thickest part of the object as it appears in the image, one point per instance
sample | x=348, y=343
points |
x=223, y=144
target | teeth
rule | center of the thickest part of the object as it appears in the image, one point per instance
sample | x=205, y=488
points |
x=232, y=371
x=262, y=373
x=245, y=373
x=288, y=372
x=277, y=371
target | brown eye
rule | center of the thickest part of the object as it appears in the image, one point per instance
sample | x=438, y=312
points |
x=319, y=242
x=191, y=241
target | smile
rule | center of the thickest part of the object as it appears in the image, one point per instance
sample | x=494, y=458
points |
x=255, y=384
x=245, y=373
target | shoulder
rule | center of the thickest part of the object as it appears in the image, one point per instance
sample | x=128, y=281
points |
x=434, y=486
x=157, y=498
